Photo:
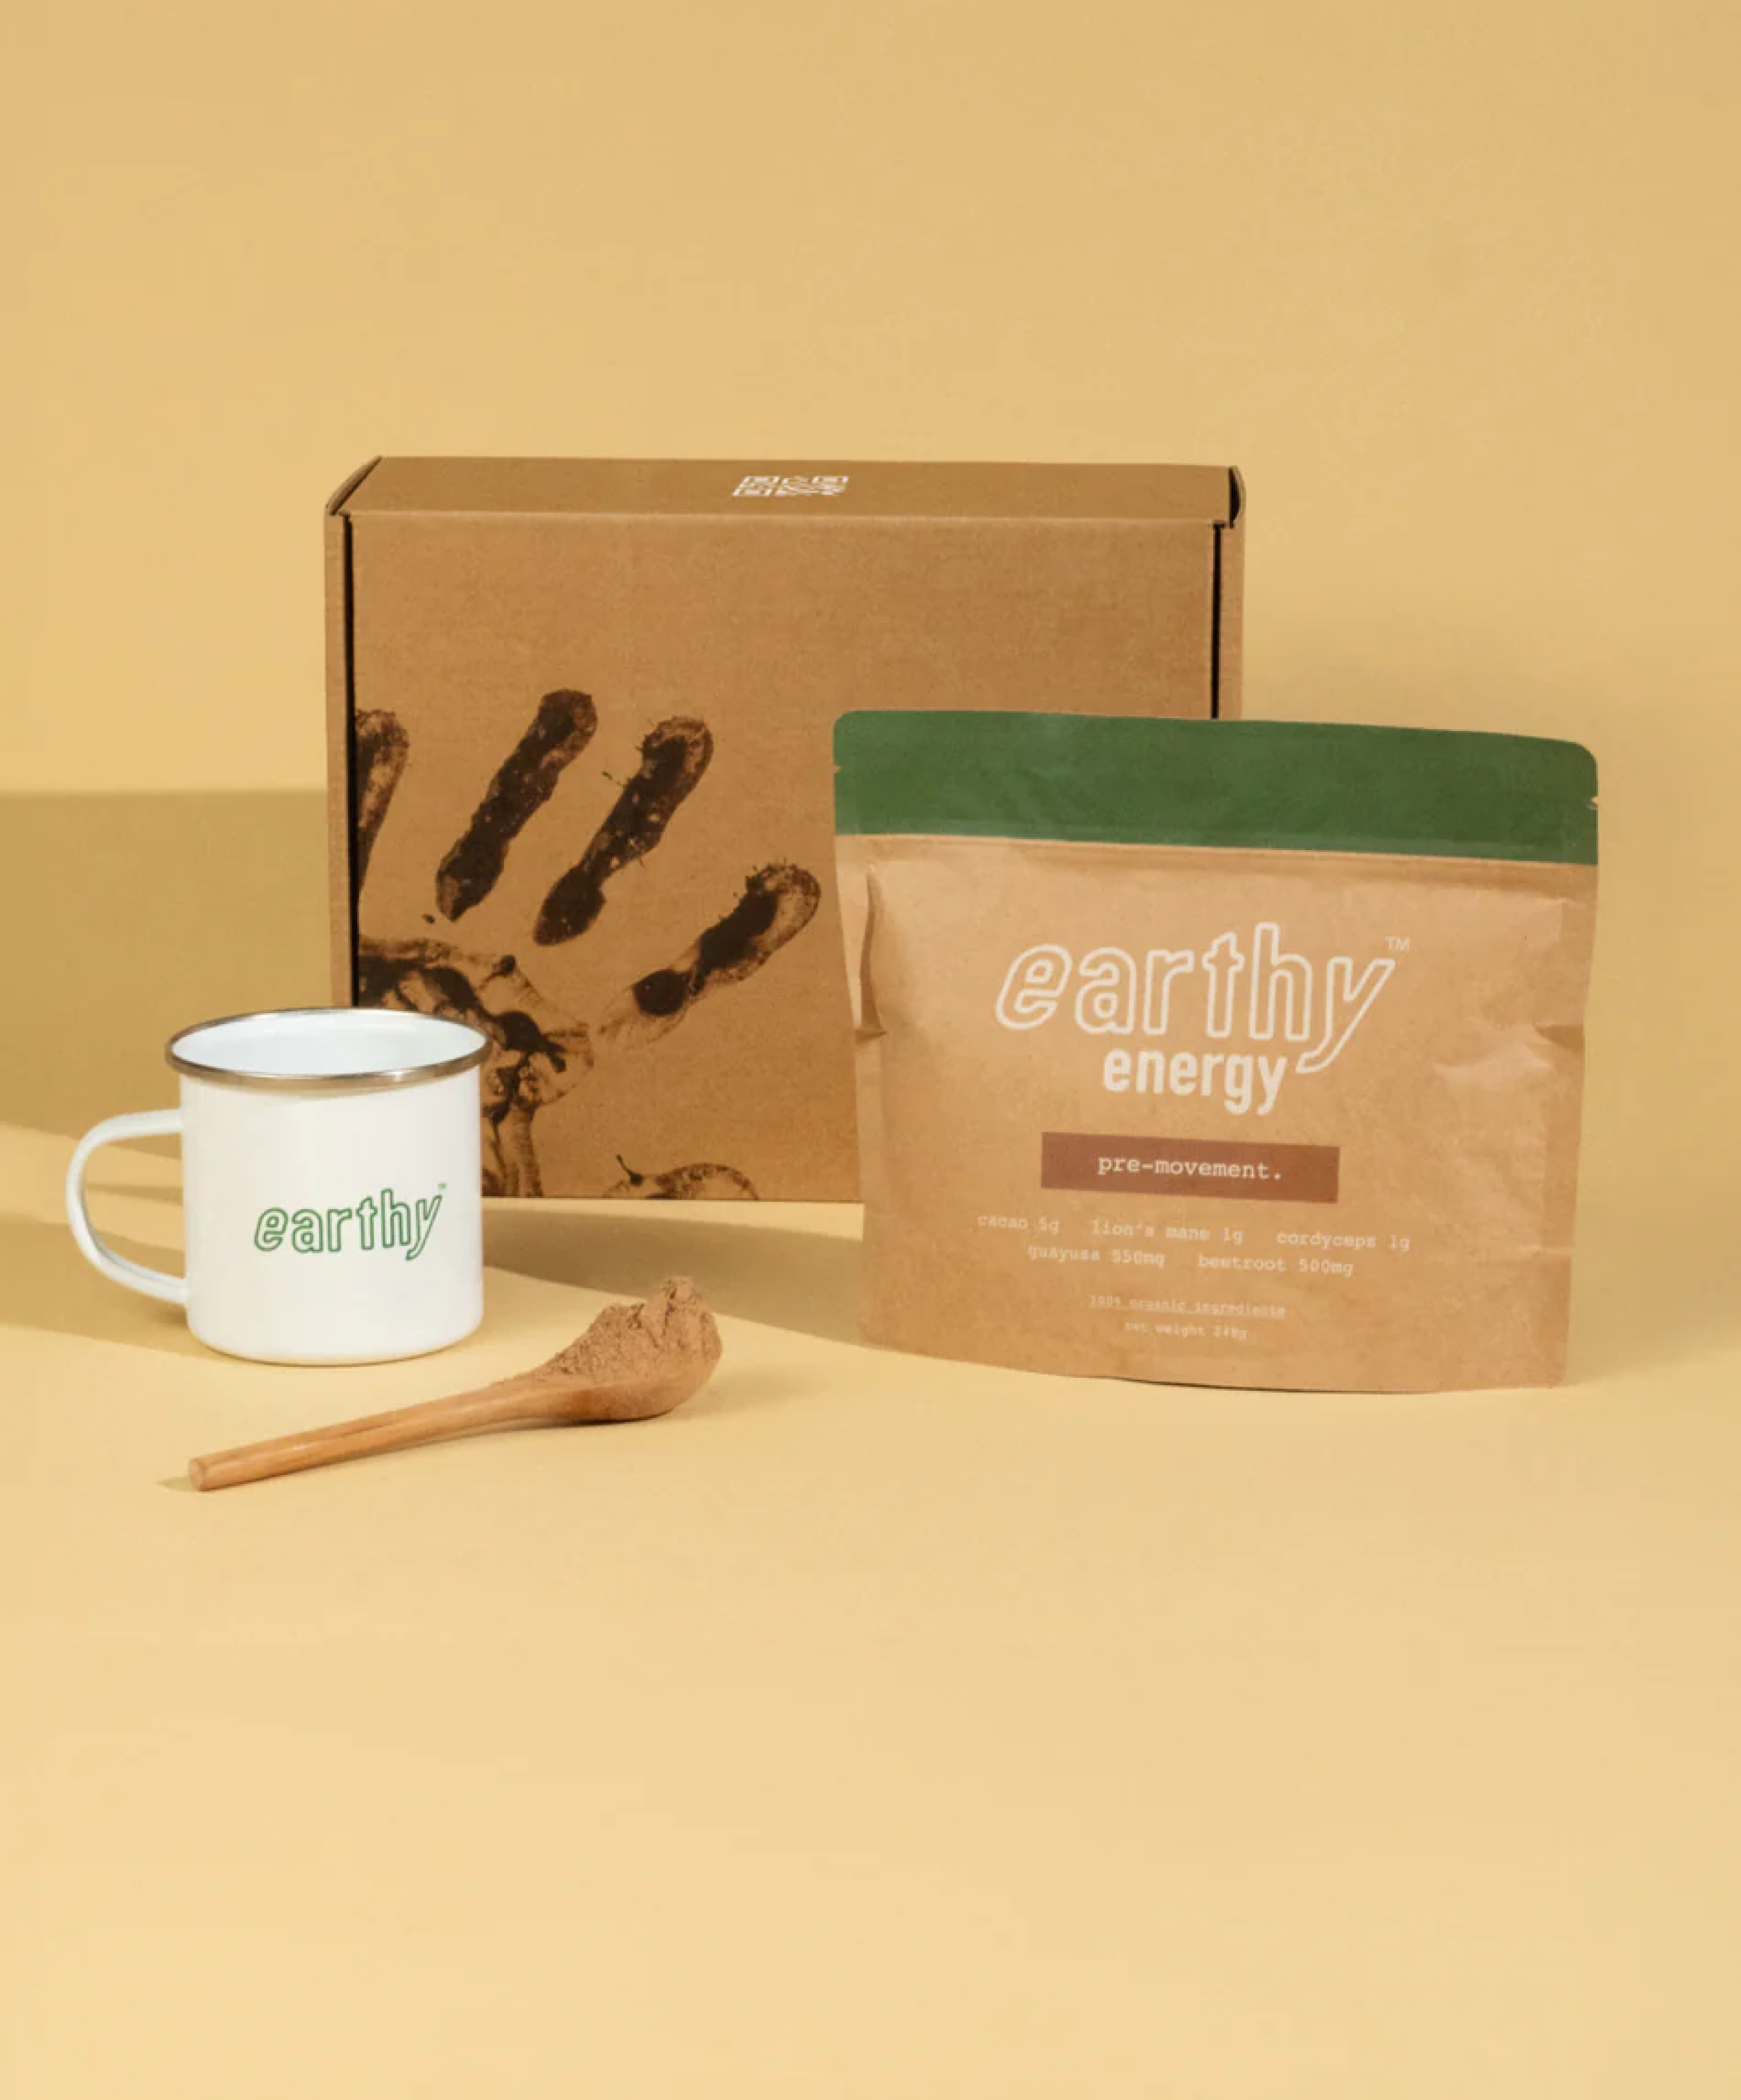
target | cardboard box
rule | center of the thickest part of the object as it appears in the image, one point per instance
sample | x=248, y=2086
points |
x=580, y=714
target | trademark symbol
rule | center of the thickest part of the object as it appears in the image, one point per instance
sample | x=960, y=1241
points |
x=1397, y=943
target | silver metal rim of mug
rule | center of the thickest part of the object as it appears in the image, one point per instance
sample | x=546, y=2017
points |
x=331, y=1180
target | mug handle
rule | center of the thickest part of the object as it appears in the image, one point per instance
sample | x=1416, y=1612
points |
x=154, y=1282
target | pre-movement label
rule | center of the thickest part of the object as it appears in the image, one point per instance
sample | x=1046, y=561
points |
x=1190, y=1166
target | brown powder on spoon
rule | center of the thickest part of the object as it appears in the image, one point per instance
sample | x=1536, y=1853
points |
x=668, y=1333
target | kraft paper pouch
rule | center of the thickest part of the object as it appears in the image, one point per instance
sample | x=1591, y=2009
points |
x=1222, y=1053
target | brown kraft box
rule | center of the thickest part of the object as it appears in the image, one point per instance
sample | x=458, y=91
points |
x=580, y=723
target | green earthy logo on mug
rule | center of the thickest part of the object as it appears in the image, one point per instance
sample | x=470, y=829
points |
x=385, y=1223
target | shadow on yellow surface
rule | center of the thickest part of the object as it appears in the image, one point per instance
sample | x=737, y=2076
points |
x=46, y=1283
x=127, y=916
x=805, y=1281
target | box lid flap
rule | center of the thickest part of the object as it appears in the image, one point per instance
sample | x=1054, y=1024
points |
x=1165, y=495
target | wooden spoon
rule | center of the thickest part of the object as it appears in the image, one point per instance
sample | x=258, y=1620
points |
x=634, y=1362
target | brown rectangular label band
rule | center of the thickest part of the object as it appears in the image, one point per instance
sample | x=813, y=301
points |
x=1190, y=1166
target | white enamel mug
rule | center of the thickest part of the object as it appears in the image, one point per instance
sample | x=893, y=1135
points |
x=330, y=1183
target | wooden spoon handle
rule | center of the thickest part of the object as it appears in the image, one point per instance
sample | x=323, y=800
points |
x=492, y=1407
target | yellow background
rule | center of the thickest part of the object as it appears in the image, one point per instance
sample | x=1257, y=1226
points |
x=872, y=1728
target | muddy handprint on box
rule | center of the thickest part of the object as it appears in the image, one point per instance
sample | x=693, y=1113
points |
x=539, y=1052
